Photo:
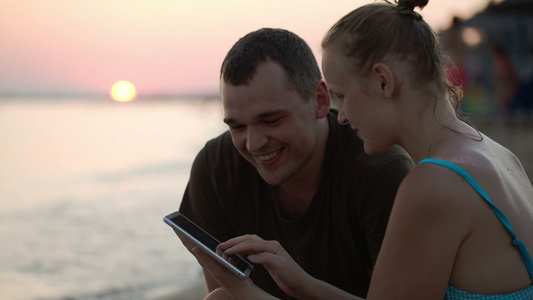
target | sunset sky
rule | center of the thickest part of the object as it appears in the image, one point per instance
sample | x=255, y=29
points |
x=164, y=47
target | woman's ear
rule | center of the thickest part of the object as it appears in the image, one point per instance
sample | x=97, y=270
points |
x=383, y=80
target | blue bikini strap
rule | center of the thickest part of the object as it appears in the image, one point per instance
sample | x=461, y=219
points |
x=518, y=243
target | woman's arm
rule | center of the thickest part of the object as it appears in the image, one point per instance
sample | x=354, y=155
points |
x=289, y=276
x=427, y=227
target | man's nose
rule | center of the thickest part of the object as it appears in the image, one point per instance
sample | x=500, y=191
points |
x=256, y=139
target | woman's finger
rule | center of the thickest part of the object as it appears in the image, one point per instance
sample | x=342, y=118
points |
x=237, y=240
x=254, y=246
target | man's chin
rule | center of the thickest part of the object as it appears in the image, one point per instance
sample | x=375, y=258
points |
x=271, y=178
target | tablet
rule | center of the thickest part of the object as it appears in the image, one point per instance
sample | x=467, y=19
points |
x=207, y=243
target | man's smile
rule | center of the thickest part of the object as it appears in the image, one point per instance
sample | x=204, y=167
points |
x=269, y=156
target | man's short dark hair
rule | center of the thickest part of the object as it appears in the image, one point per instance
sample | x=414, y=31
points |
x=272, y=45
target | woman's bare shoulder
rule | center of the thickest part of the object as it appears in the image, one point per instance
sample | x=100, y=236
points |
x=431, y=182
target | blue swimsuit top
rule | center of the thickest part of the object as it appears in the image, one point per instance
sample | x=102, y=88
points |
x=453, y=293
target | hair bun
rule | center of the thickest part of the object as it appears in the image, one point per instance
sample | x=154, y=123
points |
x=411, y=4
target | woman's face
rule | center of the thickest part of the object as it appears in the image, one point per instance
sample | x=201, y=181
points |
x=359, y=104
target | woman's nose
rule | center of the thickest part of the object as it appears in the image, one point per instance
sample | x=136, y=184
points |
x=341, y=117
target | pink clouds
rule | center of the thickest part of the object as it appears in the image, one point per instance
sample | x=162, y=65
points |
x=162, y=47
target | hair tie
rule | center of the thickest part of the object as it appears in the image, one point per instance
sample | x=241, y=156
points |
x=408, y=6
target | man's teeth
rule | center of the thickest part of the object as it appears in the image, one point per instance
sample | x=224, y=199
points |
x=269, y=156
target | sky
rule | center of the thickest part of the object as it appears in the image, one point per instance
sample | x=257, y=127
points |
x=164, y=47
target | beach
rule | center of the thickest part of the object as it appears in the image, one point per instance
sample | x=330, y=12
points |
x=518, y=139
x=84, y=187
x=194, y=290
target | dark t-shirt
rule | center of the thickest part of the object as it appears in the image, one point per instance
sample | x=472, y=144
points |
x=336, y=240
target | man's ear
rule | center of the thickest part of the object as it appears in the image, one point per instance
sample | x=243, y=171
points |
x=383, y=80
x=322, y=99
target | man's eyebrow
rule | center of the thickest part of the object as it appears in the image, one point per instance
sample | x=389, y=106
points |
x=258, y=117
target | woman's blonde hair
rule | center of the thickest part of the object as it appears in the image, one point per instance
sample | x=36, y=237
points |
x=376, y=31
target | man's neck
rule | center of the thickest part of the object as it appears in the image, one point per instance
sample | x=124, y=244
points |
x=294, y=202
x=295, y=196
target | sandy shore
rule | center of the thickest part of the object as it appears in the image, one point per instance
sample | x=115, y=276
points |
x=517, y=139
x=193, y=290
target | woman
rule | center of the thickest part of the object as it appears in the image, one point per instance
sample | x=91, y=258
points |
x=462, y=221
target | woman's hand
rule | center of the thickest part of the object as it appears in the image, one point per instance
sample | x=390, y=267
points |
x=289, y=276
x=284, y=270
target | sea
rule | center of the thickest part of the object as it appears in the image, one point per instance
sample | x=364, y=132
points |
x=84, y=186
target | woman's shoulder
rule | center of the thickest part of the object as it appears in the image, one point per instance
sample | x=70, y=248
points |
x=431, y=180
x=433, y=187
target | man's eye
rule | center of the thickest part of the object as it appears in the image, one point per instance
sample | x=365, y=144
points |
x=272, y=121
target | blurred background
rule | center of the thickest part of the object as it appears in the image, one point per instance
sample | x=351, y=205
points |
x=493, y=54
x=104, y=105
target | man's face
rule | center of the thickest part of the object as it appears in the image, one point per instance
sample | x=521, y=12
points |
x=272, y=127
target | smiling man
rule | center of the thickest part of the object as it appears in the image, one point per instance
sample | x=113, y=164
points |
x=287, y=171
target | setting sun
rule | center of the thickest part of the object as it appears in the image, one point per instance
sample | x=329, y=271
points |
x=123, y=91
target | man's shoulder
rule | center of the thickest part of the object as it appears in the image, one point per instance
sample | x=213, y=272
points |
x=220, y=155
x=348, y=149
x=220, y=146
x=395, y=153
x=223, y=140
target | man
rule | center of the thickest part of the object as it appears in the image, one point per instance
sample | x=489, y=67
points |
x=288, y=171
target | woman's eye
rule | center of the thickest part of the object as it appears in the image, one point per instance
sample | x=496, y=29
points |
x=336, y=96
x=236, y=127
